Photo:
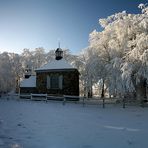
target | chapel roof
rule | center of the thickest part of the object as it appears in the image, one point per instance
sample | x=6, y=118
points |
x=56, y=65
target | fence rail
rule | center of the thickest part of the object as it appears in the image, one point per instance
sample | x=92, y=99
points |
x=86, y=101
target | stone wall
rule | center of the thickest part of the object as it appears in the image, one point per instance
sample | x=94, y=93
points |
x=70, y=83
x=28, y=90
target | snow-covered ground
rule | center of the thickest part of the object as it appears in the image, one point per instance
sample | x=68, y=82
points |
x=37, y=124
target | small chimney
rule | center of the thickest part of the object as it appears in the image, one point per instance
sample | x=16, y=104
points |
x=27, y=72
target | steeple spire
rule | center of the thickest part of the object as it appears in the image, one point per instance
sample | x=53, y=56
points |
x=59, y=44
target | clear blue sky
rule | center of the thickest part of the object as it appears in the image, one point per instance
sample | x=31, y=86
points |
x=41, y=23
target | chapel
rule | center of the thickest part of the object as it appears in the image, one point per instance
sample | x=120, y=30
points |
x=56, y=78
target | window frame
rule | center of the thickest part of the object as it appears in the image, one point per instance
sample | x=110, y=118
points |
x=54, y=77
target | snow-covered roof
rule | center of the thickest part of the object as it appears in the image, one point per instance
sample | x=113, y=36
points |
x=55, y=65
x=30, y=82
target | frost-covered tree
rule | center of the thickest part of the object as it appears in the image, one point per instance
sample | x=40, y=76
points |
x=122, y=49
x=10, y=67
x=16, y=70
x=27, y=58
x=38, y=57
x=33, y=58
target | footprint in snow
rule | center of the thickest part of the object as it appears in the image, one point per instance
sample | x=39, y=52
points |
x=19, y=124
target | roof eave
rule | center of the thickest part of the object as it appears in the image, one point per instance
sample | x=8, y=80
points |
x=55, y=70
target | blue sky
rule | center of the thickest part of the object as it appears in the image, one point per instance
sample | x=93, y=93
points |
x=42, y=23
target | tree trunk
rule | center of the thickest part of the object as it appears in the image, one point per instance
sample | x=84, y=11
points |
x=90, y=89
x=141, y=90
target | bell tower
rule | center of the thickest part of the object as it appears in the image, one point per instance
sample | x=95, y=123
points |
x=58, y=54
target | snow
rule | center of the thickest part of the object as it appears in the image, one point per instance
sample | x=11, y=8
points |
x=30, y=82
x=29, y=124
x=56, y=64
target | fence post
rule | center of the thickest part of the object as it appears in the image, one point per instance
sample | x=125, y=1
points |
x=46, y=97
x=103, y=102
x=123, y=102
x=83, y=101
x=64, y=101
x=142, y=102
